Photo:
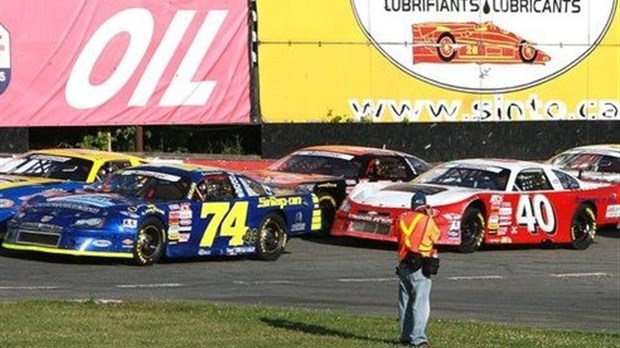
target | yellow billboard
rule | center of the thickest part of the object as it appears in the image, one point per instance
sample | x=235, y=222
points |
x=438, y=60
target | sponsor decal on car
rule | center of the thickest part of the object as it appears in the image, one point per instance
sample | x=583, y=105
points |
x=102, y=243
x=371, y=218
x=130, y=223
x=613, y=211
x=242, y=250
x=298, y=225
x=281, y=202
x=67, y=205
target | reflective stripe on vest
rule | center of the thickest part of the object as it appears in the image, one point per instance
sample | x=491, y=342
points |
x=407, y=230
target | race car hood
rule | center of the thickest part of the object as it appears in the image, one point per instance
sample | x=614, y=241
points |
x=85, y=204
x=15, y=190
x=399, y=195
x=283, y=179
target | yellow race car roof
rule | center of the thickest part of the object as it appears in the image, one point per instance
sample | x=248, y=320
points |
x=93, y=155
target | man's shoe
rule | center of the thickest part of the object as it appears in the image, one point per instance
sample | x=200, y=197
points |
x=422, y=345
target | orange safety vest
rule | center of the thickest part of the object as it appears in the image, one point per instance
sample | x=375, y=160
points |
x=416, y=232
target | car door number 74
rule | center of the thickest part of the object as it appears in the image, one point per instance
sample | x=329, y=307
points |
x=230, y=221
x=536, y=211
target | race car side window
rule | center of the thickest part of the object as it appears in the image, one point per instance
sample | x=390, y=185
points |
x=110, y=167
x=533, y=179
x=567, y=181
x=389, y=168
x=215, y=188
x=419, y=166
x=252, y=187
x=608, y=164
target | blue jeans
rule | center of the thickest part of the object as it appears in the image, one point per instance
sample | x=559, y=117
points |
x=414, y=306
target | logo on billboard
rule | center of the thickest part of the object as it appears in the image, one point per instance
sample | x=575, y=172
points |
x=5, y=58
x=485, y=46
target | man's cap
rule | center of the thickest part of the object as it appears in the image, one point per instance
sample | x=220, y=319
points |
x=418, y=200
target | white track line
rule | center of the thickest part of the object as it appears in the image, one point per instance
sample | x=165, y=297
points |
x=366, y=280
x=267, y=282
x=576, y=275
x=28, y=287
x=484, y=277
x=162, y=285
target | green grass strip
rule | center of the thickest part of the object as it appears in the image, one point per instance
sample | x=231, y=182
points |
x=91, y=324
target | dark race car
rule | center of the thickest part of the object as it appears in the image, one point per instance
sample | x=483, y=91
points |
x=146, y=212
x=331, y=171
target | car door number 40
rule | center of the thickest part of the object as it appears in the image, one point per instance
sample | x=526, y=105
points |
x=536, y=211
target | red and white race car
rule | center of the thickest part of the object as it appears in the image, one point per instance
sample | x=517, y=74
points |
x=492, y=201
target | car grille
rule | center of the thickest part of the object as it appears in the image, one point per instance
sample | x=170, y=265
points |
x=370, y=227
x=38, y=234
x=371, y=222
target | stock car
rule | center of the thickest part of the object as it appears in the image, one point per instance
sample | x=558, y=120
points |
x=51, y=171
x=491, y=201
x=471, y=42
x=591, y=162
x=145, y=212
x=331, y=171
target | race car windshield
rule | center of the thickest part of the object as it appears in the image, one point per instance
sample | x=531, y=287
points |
x=585, y=161
x=146, y=187
x=312, y=164
x=466, y=177
x=49, y=166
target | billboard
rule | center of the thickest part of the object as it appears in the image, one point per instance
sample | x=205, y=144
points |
x=132, y=62
x=439, y=60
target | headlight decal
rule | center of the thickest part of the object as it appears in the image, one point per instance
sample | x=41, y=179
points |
x=89, y=223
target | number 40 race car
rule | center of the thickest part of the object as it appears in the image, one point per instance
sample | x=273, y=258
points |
x=146, y=212
x=487, y=201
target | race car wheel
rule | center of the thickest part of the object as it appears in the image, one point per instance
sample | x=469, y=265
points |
x=271, y=238
x=583, y=228
x=150, y=243
x=527, y=52
x=328, y=213
x=445, y=47
x=472, y=230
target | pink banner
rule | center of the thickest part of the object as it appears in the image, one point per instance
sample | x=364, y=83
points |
x=131, y=62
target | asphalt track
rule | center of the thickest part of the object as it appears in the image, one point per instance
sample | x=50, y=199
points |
x=535, y=286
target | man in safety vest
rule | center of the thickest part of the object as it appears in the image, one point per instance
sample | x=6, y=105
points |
x=416, y=232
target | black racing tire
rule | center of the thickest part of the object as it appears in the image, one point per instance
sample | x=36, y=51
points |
x=271, y=238
x=446, y=39
x=150, y=244
x=583, y=228
x=527, y=53
x=327, y=204
x=472, y=230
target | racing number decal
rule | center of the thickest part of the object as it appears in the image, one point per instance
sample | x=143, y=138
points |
x=536, y=211
x=230, y=221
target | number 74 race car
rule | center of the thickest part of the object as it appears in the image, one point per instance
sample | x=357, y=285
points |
x=487, y=201
x=146, y=212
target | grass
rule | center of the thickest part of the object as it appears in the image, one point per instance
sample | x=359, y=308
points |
x=199, y=324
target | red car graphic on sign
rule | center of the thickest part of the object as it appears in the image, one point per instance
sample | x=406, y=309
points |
x=470, y=42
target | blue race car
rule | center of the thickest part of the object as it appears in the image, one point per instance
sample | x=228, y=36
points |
x=50, y=171
x=145, y=212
